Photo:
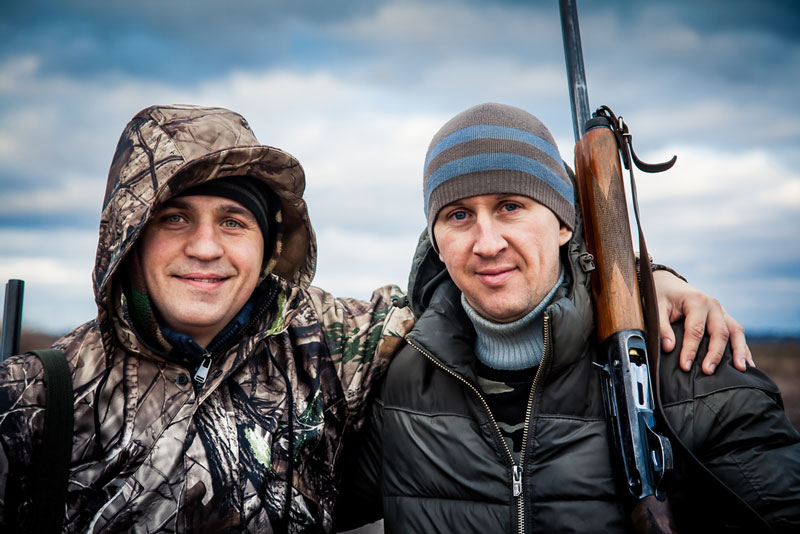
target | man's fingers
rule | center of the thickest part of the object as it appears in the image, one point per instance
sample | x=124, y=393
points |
x=716, y=347
x=694, y=327
x=741, y=352
x=717, y=331
x=665, y=331
x=750, y=359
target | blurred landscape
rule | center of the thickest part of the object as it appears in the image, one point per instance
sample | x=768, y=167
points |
x=779, y=357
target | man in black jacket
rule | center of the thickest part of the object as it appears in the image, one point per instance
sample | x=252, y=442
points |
x=491, y=417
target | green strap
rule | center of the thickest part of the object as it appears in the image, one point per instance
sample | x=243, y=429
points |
x=51, y=464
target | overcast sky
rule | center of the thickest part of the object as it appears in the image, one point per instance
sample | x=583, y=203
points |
x=356, y=89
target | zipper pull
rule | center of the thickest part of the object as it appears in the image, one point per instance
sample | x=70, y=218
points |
x=202, y=371
x=517, y=484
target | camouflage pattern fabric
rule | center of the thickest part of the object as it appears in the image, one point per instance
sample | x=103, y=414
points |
x=152, y=454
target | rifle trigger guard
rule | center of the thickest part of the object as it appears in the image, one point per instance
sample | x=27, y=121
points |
x=661, y=450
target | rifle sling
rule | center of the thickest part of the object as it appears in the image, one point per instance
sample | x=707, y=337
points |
x=52, y=459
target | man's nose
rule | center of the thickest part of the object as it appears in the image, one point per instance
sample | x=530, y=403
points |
x=489, y=240
x=204, y=242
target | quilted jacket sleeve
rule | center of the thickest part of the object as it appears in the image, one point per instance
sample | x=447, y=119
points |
x=735, y=424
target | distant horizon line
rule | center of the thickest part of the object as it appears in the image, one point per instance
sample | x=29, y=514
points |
x=753, y=335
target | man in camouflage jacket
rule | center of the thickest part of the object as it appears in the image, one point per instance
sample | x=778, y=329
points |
x=153, y=449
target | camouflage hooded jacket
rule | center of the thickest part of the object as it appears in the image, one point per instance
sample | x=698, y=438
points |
x=151, y=453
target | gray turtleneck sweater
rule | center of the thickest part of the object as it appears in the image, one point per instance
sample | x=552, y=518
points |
x=511, y=346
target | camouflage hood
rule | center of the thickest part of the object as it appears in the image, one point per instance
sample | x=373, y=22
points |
x=167, y=149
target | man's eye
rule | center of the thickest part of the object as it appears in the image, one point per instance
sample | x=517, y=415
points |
x=230, y=223
x=510, y=206
x=458, y=215
x=173, y=218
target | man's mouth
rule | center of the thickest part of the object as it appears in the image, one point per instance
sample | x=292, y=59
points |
x=203, y=280
x=495, y=277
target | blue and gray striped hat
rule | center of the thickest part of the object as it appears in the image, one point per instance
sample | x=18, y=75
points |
x=494, y=148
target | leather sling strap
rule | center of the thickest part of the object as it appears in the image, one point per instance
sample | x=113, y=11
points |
x=51, y=461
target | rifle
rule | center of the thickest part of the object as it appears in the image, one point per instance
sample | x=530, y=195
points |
x=12, y=318
x=626, y=355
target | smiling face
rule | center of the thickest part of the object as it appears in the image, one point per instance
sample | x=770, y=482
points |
x=202, y=258
x=501, y=251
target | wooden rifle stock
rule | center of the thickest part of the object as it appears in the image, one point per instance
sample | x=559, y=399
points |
x=601, y=190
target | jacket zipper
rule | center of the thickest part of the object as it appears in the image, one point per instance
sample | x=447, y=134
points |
x=486, y=407
x=516, y=470
x=202, y=371
x=528, y=413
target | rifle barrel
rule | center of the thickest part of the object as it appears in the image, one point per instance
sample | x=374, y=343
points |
x=573, y=53
x=12, y=319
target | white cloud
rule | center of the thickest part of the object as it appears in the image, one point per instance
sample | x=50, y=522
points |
x=345, y=134
x=353, y=263
x=47, y=255
x=17, y=69
x=740, y=188
x=17, y=241
x=43, y=270
x=69, y=195
x=19, y=129
x=476, y=80
x=56, y=266
x=716, y=121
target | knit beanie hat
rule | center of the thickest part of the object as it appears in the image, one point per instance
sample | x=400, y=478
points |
x=496, y=149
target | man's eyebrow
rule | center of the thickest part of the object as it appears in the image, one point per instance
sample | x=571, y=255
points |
x=235, y=209
x=175, y=203
x=226, y=206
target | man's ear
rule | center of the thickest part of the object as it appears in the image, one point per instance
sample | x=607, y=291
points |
x=564, y=234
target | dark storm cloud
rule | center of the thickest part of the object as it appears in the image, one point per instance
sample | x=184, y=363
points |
x=179, y=41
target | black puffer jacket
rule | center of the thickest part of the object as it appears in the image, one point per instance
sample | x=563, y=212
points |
x=434, y=460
